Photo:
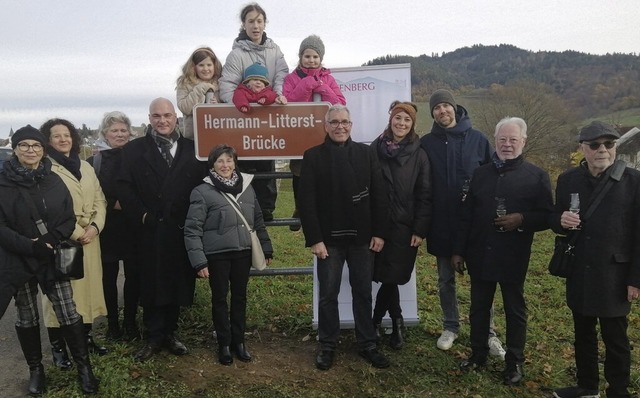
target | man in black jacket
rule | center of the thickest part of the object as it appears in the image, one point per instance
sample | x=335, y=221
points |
x=497, y=246
x=343, y=210
x=158, y=172
x=605, y=278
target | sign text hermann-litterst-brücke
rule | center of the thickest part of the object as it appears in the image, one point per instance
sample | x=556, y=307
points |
x=266, y=132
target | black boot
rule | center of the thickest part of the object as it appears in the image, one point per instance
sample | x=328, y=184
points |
x=74, y=334
x=59, y=349
x=93, y=347
x=32, y=349
x=397, y=339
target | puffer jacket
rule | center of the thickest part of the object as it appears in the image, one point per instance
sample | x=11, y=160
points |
x=245, y=53
x=302, y=83
x=213, y=226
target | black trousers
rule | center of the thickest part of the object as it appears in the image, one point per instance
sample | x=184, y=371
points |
x=110, y=271
x=160, y=321
x=266, y=190
x=387, y=299
x=224, y=275
x=515, y=308
x=617, y=362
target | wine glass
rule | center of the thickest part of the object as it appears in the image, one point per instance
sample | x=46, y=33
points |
x=501, y=210
x=574, y=206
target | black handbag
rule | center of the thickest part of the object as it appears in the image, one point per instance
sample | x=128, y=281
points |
x=68, y=254
x=561, y=263
x=69, y=260
x=563, y=257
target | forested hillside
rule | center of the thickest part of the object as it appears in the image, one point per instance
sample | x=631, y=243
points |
x=591, y=84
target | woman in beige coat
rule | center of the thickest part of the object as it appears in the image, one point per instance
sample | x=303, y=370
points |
x=89, y=205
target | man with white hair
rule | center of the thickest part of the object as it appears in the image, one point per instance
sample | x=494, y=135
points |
x=496, y=246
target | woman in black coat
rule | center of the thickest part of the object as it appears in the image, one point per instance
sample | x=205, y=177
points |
x=405, y=168
x=117, y=238
x=26, y=254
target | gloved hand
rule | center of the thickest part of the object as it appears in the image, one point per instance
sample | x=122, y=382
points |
x=41, y=250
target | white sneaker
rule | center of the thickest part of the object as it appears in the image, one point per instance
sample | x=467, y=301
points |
x=495, y=347
x=446, y=339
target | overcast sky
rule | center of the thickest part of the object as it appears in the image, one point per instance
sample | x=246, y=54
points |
x=78, y=59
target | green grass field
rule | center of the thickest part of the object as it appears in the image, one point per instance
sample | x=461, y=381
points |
x=283, y=342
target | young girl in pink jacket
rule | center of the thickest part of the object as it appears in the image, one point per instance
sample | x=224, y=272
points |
x=311, y=78
x=309, y=82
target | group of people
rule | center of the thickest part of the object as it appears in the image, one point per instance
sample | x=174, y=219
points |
x=171, y=218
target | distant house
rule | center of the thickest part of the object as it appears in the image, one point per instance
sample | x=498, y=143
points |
x=629, y=147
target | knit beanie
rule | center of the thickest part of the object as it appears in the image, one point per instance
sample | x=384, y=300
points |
x=407, y=107
x=440, y=96
x=256, y=71
x=313, y=42
x=26, y=133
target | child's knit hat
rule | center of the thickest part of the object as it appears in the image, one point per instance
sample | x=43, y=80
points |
x=313, y=42
x=256, y=71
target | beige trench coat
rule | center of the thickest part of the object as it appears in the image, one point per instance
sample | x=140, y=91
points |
x=89, y=205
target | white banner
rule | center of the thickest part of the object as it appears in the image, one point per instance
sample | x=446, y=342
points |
x=369, y=90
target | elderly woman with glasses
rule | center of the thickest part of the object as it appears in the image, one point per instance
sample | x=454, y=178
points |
x=26, y=256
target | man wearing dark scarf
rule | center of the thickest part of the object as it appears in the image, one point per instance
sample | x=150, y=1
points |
x=157, y=174
x=343, y=211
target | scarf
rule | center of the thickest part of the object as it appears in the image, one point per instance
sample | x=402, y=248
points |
x=388, y=148
x=231, y=185
x=71, y=162
x=24, y=176
x=243, y=36
x=346, y=195
x=499, y=163
x=165, y=144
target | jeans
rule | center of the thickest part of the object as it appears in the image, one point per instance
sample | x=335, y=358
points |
x=617, y=362
x=515, y=308
x=449, y=299
x=329, y=271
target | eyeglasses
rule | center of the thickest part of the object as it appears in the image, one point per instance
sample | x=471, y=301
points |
x=594, y=146
x=344, y=123
x=24, y=147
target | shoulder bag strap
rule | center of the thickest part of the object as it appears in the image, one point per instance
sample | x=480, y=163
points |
x=42, y=228
x=236, y=207
x=615, y=175
x=97, y=162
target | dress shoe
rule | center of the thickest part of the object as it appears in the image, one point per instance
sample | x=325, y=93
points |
x=114, y=333
x=513, y=374
x=60, y=356
x=130, y=332
x=148, y=351
x=375, y=358
x=95, y=348
x=324, y=360
x=474, y=362
x=296, y=214
x=175, y=346
x=224, y=355
x=241, y=352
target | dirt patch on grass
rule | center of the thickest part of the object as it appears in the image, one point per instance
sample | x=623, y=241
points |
x=282, y=366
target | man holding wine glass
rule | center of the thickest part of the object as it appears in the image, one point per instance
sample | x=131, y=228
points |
x=605, y=276
x=509, y=199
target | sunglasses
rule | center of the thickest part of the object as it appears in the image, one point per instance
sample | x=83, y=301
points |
x=594, y=146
